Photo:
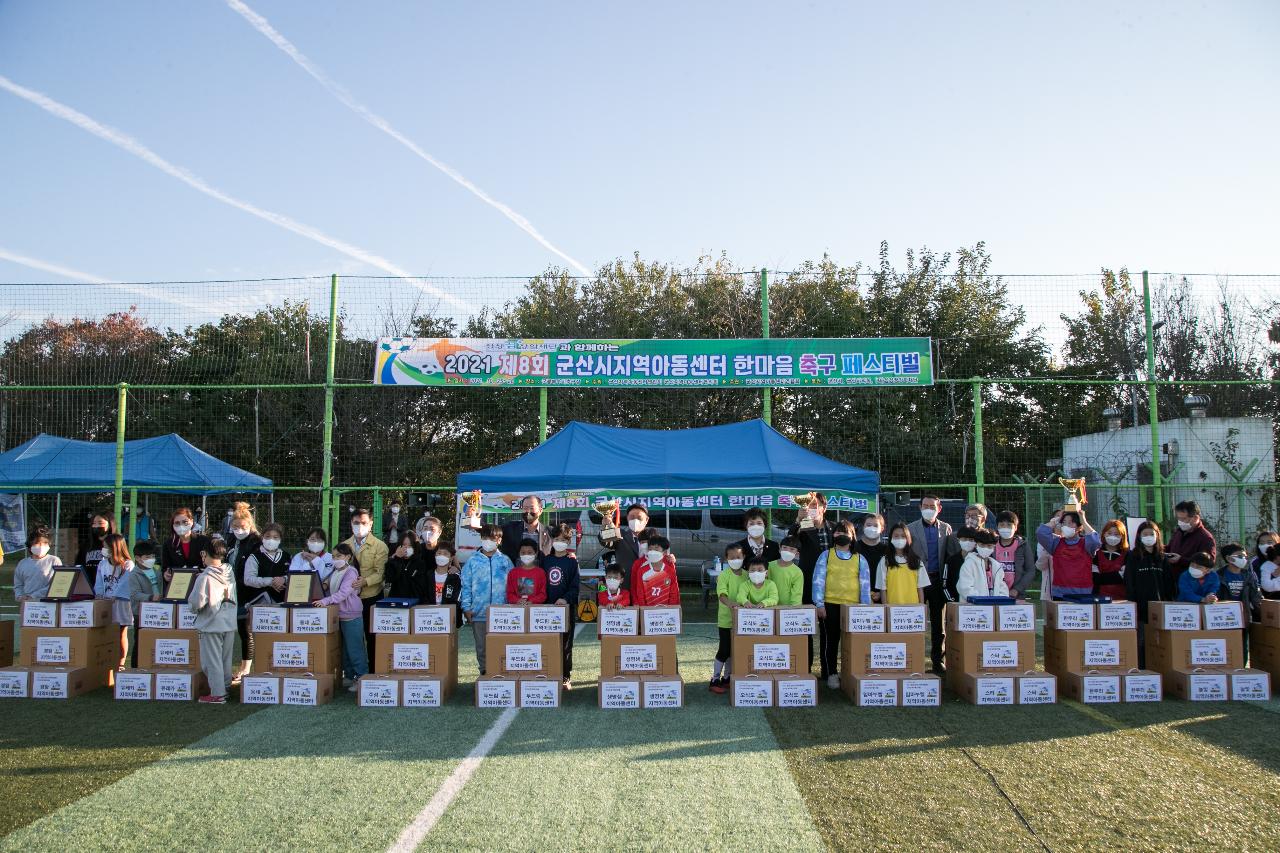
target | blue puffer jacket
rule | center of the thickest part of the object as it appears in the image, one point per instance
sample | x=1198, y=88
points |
x=484, y=582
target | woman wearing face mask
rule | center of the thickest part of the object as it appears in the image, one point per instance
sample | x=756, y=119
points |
x=394, y=524
x=34, y=572
x=1147, y=577
x=90, y=556
x=981, y=574
x=841, y=578
x=184, y=546
x=1016, y=554
x=1071, y=542
x=407, y=570
x=756, y=543
x=1108, y=562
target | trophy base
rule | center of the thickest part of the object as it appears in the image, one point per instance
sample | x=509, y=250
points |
x=473, y=523
x=1071, y=506
x=805, y=524
x=609, y=533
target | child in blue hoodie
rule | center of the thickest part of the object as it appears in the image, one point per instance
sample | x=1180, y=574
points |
x=1199, y=583
x=1239, y=583
x=484, y=582
x=563, y=582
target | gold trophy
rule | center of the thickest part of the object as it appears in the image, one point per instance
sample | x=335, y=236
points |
x=1075, y=493
x=804, y=503
x=472, y=507
x=608, y=519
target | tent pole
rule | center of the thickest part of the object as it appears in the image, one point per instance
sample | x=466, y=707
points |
x=328, y=500
x=122, y=396
x=272, y=499
x=57, y=519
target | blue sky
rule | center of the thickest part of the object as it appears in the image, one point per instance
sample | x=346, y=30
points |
x=1068, y=136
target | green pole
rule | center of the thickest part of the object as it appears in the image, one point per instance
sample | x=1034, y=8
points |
x=133, y=519
x=542, y=415
x=979, y=476
x=122, y=398
x=1157, y=487
x=326, y=474
x=376, y=509
x=767, y=399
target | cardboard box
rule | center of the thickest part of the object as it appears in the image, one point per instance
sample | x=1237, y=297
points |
x=1250, y=685
x=660, y=621
x=873, y=691
x=306, y=689
x=1271, y=612
x=797, y=621
x=619, y=622
x=417, y=691
x=1224, y=616
x=39, y=614
x=772, y=655
x=1016, y=617
x=311, y=652
x=169, y=648
x=661, y=691
x=986, y=688
x=378, y=691
x=965, y=618
x=1142, y=685
x=495, y=691
x=907, y=618
x=1186, y=650
x=547, y=618
x=920, y=690
x=1069, y=616
x=420, y=654
x=538, y=692
x=886, y=653
x=259, y=689
x=391, y=620
x=269, y=619
x=508, y=619
x=1118, y=616
x=95, y=649
x=516, y=655
x=1091, y=688
x=1037, y=688
x=165, y=616
x=1080, y=651
x=864, y=619
x=84, y=614
x=135, y=684
x=434, y=618
x=1199, y=685
x=56, y=682
x=755, y=622
x=1264, y=642
x=15, y=682
x=182, y=685
x=313, y=620
x=620, y=692
x=1174, y=616
x=751, y=691
x=978, y=652
x=636, y=656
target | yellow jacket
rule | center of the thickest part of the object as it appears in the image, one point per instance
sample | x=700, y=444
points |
x=372, y=557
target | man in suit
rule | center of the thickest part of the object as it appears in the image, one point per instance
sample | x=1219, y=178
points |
x=527, y=528
x=930, y=539
x=627, y=547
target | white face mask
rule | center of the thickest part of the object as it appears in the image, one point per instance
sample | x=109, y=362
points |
x=653, y=556
x=612, y=584
x=315, y=547
x=967, y=545
x=39, y=549
x=928, y=514
x=735, y=564
x=636, y=524
x=1263, y=548
x=360, y=530
x=395, y=510
x=147, y=562
x=899, y=542
x=1184, y=526
x=871, y=531
x=787, y=556
x=528, y=559
x=488, y=545
x=339, y=563
x=757, y=577
x=1006, y=532
x=1238, y=560
x=271, y=544
x=1196, y=572
x=985, y=550
x=182, y=529
x=1068, y=531
x=239, y=532
x=1148, y=539
x=408, y=552
x=1113, y=539
x=442, y=560
x=755, y=531
x=559, y=546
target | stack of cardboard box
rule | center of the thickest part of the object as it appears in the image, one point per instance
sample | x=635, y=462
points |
x=1093, y=649
x=524, y=656
x=168, y=656
x=770, y=657
x=297, y=656
x=67, y=648
x=415, y=660
x=882, y=662
x=991, y=655
x=1264, y=640
x=1199, y=651
x=639, y=667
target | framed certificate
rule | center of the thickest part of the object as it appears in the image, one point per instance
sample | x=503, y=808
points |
x=302, y=588
x=68, y=584
x=179, y=586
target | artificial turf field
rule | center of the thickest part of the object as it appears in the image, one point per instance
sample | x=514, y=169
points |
x=92, y=773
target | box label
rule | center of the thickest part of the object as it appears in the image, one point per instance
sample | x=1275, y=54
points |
x=1101, y=652
x=1145, y=687
x=661, y=622
x=496, y=694
x=539, y=694
x=289, y=655
x=1037, y=690
x=53, y=650
x=878, y=693
x=390, y=620
x=173, y=652
x=1250, y=687
x=619, y=623
x=13, y=685
x=621, y=694
x=1223, y=616
x=410, y=656
x=1017, y=617
x=299, y=691
x=1207, y=687
x=506, y=620
x=432, y=620
x=133, y=685
x=921, y=692
x=907, y=618
x=994, y=691
x=78, y=614
x=1208, y=652
x=663, y=694
x=798, y=622
x=379, y=692
x=186, y=618
x=420, y=693
x=999, y=654
x=524, y=657
x=1180, y=617
x=49, y=685
x=39, y=614
x=310, y=621
x=156, y=615
x=975, y=617
x=864, y=620
x=269, y=620
x=1100, y=689
x=752, y=694
x=638, y=657
x=1118, y=616
x=888, y=656
x=771, y=656
x=177, y=686
x=547, y=619
x=1075, y=617
x=755, y=622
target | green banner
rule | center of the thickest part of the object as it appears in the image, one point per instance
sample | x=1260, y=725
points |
x=590, y=363
x=683, y=500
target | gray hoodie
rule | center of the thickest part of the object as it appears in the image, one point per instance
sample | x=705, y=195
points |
x=213, y=600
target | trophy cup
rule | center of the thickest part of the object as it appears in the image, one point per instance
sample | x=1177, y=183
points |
x=472, y=506
x=1075, y=493
x=609, y=520
x=804, y=503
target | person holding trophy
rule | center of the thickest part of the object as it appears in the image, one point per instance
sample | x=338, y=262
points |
x=625, y=541
x=527, y=528
x=1069, y=539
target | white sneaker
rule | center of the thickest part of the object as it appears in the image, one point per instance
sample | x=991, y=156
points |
x=352, y=688
x=833, y=681
x=347, y=682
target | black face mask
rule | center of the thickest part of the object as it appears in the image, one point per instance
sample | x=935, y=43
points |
x=530, y=516
x=100, y=532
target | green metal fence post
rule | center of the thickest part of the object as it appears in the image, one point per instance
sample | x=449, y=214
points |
x=326, y=474
x=133, y=519
x=542, y=415
x=979, y=475
x=767, y=398
x=122, y=400
x=1157, y=487
x=376, y=509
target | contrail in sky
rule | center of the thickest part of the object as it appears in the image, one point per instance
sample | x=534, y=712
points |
x=137, y=149
x=261, y=24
